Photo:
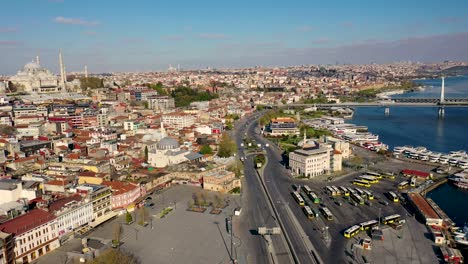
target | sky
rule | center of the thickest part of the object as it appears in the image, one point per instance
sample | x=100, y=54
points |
x=149, y=35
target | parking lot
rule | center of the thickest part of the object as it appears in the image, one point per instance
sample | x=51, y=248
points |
x=347, y=213
x=180, y=237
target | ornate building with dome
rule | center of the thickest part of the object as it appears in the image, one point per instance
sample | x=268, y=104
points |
x=35, y=79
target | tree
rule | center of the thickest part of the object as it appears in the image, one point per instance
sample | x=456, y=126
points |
x=116, y=233
x=8, y=130
x=206, y=150
x=91, y=83
x=112, y=256
x=146, y=153
x=227, y=146
x=128, y=217
x=143, y=214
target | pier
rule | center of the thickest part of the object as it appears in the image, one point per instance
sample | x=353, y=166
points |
x=447, y=221
x=433, y=186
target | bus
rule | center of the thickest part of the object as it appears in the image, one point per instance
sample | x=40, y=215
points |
x=392, y=196
x=403, y=185
x=352, y=231
x=361, y=193
x=337, y=191
x=306, y=189
x=369, y=195
x=330, y=190
x=298, y=198
x=356, y=197
x=390, y=219
x=369, y=224
x=326, y=213
x=308, y=212
x=390, y=176
x=369, y=179
x=375, y=174
x=344, y=190
x=361, y=183
x=314, y=197
x=413, y=182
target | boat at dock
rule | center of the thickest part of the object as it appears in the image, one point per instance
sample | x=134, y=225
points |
x=454, y=158
x=460, y=179
x=461, y=236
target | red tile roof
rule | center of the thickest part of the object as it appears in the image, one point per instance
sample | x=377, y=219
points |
x=58, y=204
x=119, y=187
x=415, y=173
x=26, y=222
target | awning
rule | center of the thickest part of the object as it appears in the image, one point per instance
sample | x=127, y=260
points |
x=102, y=219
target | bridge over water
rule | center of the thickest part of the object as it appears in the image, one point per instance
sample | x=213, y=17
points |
x=439, y=103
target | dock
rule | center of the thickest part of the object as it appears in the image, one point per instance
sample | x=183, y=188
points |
x=433, y=186
x=447, y=221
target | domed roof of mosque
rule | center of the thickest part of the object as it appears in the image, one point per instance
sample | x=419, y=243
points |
x=168, y=143
x=31, y=66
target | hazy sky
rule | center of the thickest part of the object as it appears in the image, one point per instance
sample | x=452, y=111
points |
x=144, y=35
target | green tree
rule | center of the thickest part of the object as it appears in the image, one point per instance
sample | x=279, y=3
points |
x=146, y=153
x=227, y=146
x=206, y=150
x=8, y=130
x=91, y=83
x=128, y=217
x=112, y=256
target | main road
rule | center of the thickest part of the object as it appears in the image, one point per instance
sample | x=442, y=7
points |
x=310, y=240
x=276, y=180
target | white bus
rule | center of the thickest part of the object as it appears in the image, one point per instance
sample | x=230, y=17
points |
x=298, y=198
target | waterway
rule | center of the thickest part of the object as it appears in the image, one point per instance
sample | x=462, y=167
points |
x=421, y=126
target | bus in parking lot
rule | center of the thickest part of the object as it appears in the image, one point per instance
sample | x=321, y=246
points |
x=337, y=191
x=308, y=212
x=368, y=179
x=331, y=191
x=298, y=198
x=391, y=219
x=369, y=224
x=375, y=174
x=352, y=231
x=393, y=197
x=344, y=190
x=369, y=195
x=314, y=197
x=306, y=189
x=356, y=197
x=361, y=183
x=361, y=193
x=413, y=182
x=403, y=185
x=326, y=213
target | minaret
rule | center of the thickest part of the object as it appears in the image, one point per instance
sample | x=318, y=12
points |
x=62, y=71
x=442, y=91
x=86, y=71
x=37, y=60
x=163, y=131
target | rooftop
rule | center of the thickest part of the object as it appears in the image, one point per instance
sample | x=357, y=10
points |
x=26, y=222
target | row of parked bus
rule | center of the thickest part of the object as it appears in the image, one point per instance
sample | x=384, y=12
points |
x=405, y=184
x=356, y=229
x=309, y=211
x=371, y=178
x=356, y=194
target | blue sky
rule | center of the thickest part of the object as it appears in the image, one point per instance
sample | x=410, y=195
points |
x=145, y=35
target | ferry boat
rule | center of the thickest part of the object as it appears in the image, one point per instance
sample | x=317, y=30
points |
x=462, y=237
x=460, y=179
x=434, y=157
x=458, y=153
x=399, y=150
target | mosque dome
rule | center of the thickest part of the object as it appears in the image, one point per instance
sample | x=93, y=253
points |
x=31, y=66
x=168, y=143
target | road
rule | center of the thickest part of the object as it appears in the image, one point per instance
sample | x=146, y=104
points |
x=276, y=181
x=257, y=213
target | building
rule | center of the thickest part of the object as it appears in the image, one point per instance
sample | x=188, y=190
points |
x=220, y=180
x=35, y=79
x=178, y=120
x=161, y=103
x=34, y=234
x=167, y=152
x=124, y=194
x=71, y=213
x=310, y=161
x=14, y=190
x=101, y=198
x=282, y=126
x=425, y=210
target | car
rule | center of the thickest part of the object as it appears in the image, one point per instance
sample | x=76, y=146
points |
x=368, y=203
x=149, y=198
x=353, y=203
x=338, y=203
x=384, y=203
x=295, y=187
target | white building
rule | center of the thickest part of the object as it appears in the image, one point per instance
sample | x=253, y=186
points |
x=71, y=212
x=310, y=161
x=14, y=190
x=161, y=103
x=178, y=120
x=33, y=78
x=34, y=234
